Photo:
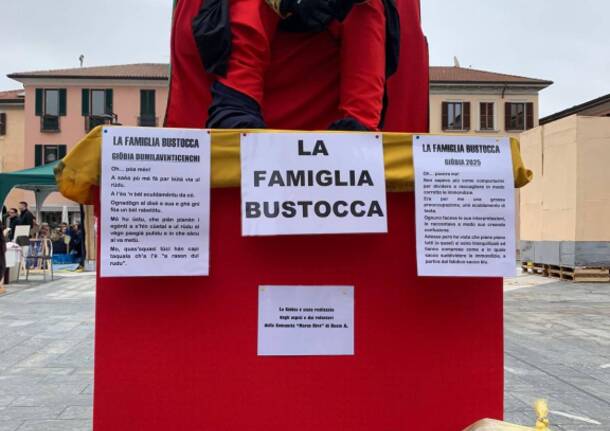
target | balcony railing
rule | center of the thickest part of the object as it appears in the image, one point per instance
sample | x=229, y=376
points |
x=49, y=123
x=92, y=121
x=147, y=121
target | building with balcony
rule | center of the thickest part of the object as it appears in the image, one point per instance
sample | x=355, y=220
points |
x=61, y=106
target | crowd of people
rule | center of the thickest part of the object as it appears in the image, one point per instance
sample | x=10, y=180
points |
x=65, y=239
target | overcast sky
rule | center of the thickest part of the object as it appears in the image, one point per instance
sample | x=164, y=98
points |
x=565, y=41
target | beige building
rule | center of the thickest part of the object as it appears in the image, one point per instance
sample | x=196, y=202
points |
x=12, y=139
x=482, y=103
x=12, y=130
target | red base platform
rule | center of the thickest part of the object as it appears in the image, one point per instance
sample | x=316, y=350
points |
x=180, y=353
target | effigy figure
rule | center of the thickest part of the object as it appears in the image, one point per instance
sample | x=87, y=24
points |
x=245, y=61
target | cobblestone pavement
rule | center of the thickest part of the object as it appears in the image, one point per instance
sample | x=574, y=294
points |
x=557, y=337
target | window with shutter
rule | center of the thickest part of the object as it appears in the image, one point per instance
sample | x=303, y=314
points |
x=99, y=108
x=515, y=116
x=51, y=153
x=63, y=102
x=486, y=116
x=456, y=116
x=445, y=115
x=2, y=124
x=37, y=155
x=109, y=102
x=38, y=108
x=51, y=102
x=529, y=114
x=45, y=154
x=466, y=113
x=51, y=110
x=62, y=151
x=98, y=102
x=85, y=102
x=147, y=109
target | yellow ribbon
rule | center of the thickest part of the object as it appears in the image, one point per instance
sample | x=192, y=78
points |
x=80, y=170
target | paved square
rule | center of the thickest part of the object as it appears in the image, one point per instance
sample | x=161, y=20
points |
x=46, y=355
x=557, y=338
x=557, y=347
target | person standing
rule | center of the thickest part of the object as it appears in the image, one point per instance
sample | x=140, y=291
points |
x=12, y=221
x=77, y=245
x=26, y=218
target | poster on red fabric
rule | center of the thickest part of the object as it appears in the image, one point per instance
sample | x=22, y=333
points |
x=312, y=183
x=155, y=202
x=305, y=320
x=465, y=206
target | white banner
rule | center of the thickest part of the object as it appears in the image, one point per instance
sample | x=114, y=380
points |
x=155, y=202
x=465, y=206
x=305, y=320
x=312, y=183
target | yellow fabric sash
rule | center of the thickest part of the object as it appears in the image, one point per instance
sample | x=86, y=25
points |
x=80, y=170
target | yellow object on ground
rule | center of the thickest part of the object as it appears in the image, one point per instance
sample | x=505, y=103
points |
x=80, y=170
x=542, y=423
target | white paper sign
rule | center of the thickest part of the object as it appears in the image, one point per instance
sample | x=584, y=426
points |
x=305, y=320
x=465, y=206
x=155, y=202
x=312, y=183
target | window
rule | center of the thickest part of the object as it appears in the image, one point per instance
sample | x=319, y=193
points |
x=97, y=107
x=51, y=102
x=456, y=116
x=487, y=116
x=518, y=116
x=147, y=109
x=45, y=154
x=50, y=105
x=98, y=103
x=2, y=124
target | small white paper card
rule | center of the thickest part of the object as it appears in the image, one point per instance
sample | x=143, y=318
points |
x=465, y=206
x=305, y=320
x=155, y=202
x=312, y=183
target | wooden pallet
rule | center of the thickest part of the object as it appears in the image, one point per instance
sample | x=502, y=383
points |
x=584, y=274
x=535, y=268
x=575, y=274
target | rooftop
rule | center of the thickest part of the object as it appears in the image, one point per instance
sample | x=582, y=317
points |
x=12, y=96
x=156, y=71
x=160, y=71
x=595, y=107
x=454, y=74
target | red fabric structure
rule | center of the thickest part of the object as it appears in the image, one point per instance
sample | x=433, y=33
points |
x=312, y=79
x=180, y=353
